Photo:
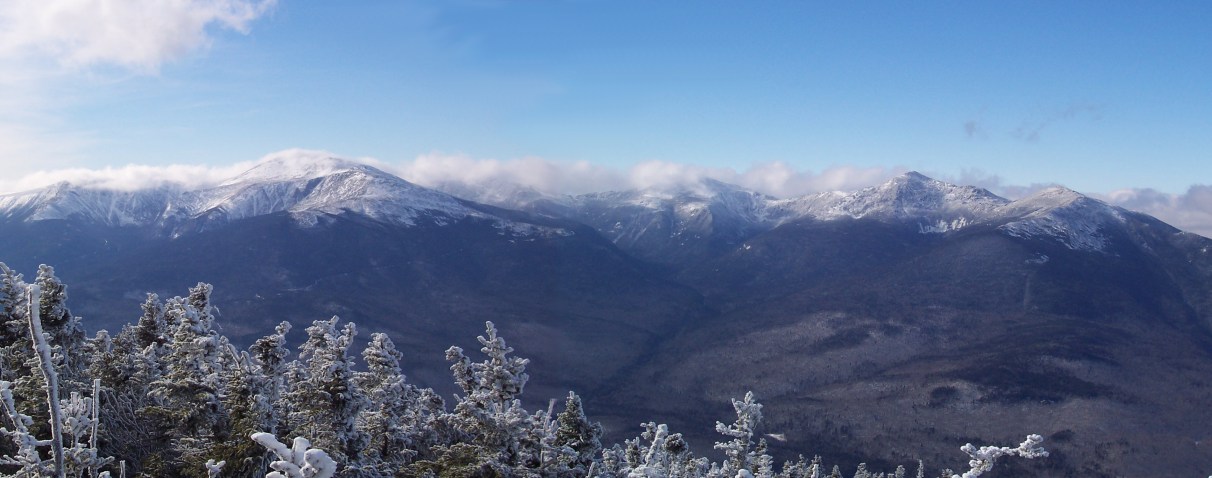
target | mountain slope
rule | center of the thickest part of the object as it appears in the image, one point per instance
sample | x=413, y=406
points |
x=914, y=311
x=303, y=241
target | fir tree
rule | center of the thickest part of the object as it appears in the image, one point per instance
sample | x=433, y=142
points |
x=325, y=401
x=748, y=416
x=186, y=397
x=392, y=414
x=491, y=430
x=268, y=354
x=576, y=432
x=151, y=329
x=246, y=399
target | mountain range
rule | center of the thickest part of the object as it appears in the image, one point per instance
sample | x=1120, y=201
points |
x=895, y=322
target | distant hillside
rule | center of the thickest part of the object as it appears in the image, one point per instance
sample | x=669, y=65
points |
x=911, y=312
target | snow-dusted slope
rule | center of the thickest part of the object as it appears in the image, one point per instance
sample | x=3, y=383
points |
x=651, y=221
x=935, y=205
x=689, y=210
x=1077, y=221
x=305, y=187
x=914, y=196
x=110, y=208
x=308, y=189
x=678, y=215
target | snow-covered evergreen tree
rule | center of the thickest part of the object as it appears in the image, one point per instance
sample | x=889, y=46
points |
x=575, y=432
x=151, y=329
x=324, y=401
x=491, y=432
x=246, y=400
x=748, y=416
x=15, y=349
x=66, y=333
x=268, y=354
x=187, y=401
x=391, y=415
x=298, y=461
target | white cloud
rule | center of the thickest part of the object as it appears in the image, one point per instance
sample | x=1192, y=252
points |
x=50, y=50
x=994, y=183
x=129, y=178
x=138, y=35
x=551, y=177
x=1190, y=211
x=557, y=177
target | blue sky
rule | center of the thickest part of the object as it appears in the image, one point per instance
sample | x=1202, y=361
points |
x=1098, y=96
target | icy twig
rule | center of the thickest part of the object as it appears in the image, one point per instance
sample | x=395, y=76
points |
x=984, y=457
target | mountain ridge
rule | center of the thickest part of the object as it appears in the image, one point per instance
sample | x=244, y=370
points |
x=911, y=311
x=309, y=186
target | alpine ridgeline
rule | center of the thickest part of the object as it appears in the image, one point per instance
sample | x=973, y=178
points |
x=897, y=320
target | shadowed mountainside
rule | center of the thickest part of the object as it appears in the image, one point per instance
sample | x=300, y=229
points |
x=893, y=323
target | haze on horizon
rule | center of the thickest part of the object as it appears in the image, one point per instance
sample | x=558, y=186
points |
x=568, y=97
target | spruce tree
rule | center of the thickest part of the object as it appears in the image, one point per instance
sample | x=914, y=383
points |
x=249, y=410
x=391, y=415
x=151, y=328
x=324, y=400
x=268, y=354
x=186, y=397
x=575, y=431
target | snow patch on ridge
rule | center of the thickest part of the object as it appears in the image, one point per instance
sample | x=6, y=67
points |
x=943, y=226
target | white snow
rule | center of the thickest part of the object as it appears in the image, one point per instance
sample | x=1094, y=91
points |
x=307, y=187
x=1061, y=215
x=943, y=226
x=313, y=187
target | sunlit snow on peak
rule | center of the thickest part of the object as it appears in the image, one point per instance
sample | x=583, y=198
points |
x=296, y=164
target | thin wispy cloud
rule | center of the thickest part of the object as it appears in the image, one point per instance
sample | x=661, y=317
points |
x=995, y=184
x=973, y=129
x=1032, y=130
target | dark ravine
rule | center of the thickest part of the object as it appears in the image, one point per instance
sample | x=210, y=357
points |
x=902, y=320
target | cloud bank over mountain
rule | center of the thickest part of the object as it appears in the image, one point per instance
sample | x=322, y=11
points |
x=1190, y=211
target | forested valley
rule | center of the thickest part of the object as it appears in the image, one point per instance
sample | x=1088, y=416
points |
x=171, y=396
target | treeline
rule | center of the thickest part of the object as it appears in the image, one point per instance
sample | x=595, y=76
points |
x=170, y=396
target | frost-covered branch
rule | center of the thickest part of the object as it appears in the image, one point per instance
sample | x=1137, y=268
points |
x=43, y=351
x=299, y=461
x=28, y=459
x=213, y=468
x=984, y=457
x=80, y=419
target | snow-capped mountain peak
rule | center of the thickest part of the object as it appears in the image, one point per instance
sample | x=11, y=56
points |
x=306, y=186
x=297, y=166
x=312, y=186
x=913, y=195
x=1069, y=217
